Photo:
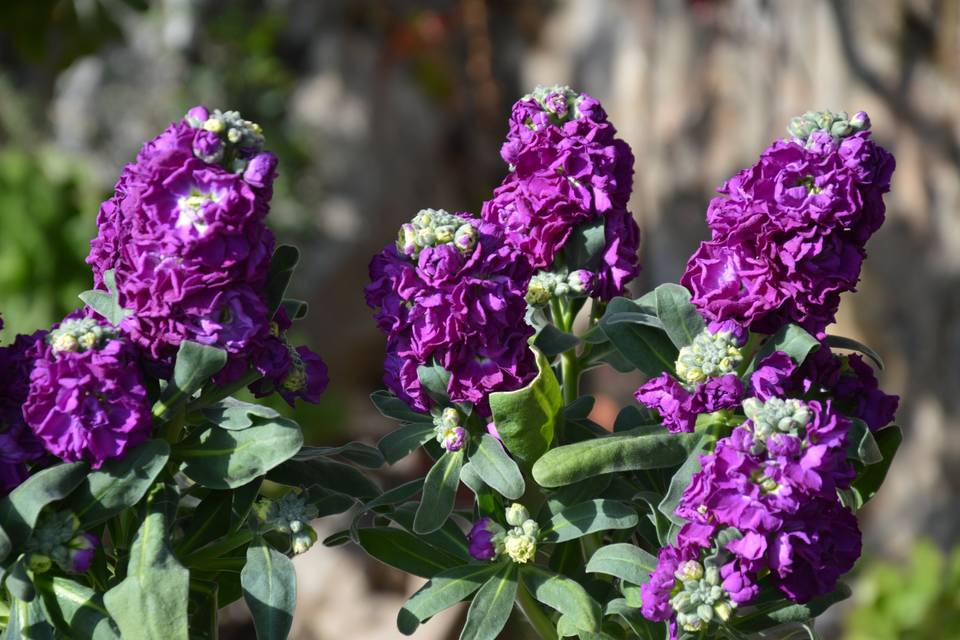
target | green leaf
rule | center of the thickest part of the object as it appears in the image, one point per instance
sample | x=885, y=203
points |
x=623, y=560
x=330, y=474
x=221, y=459
x=356, y=452
x=218, y=514
x=405, y=551
x=839, y=342
x=284, y=261
x=18, y=582
x=439, y=493
x=449, y=537
x=573, y=494
x=551, y=341
x=527, y=418
x=588, y=517
x=680, y=318
x=574, y=462
x=795, y=612
x=195, y=365
x=434, y=380
x=270, y=590
x=233, y=415
x=792, y=340
x=296, y=309
x=20, y=509
x=444, y=590
x=492, y=605
x=401, y=442
x=869, y=480
x=390, y=406
x=645, y=348
x=631, y=616
x=151, y=602
x=497, y=469
x=28, y=621
x=564, y=595
x=75, y=609
x=119, y=483
x=680, y=481
x=396, y=495
x=584, y=248
x=105, y=303
x=470, y=477
x=861, y=445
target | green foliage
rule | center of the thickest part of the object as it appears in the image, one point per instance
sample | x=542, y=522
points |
x=270, y=590
x=913, y=600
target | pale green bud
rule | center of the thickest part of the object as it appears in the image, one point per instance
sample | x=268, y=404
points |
x=517, y=514
x=520, y=548
x=302, y=540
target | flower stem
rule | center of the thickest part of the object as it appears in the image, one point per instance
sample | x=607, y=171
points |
x=216, y=394
x=218, y=548
x=539, y=620
x=570, y=372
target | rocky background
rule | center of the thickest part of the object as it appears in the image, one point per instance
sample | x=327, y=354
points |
x=379, y=108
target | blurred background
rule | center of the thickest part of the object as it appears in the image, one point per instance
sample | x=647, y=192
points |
x=378, y=109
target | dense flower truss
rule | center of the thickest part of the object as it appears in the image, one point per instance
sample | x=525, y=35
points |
x=450, y=292
x=18, y=444
x=773, y=483
x=87, y=399
x=788, y=233
x=568, y=168
x=184, y=234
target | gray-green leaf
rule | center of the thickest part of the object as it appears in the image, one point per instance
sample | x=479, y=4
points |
x=623, y=560
x=564, y=595
x=588, y=517
x=270, y=590
x=497, y=469
x=491, y=606
x=444, y=590
x=439, y=493
x=680, y=318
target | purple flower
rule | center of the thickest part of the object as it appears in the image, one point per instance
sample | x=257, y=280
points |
x=82, y=550
x=678, y=407
x=567, y=168
x=657, y=591
x=462, y=310
x=813, y=549
x=480, y=539
x=88, y=404
x=184, y=234
x=789, y=232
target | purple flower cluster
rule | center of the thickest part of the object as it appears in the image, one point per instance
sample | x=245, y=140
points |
x=186, y=239
x=457, y=304
x=568, y=168
x=87, y=399
x=848, y=380
x=679, y=406
x=774, y=480
x=18, y=444
x=788, y=233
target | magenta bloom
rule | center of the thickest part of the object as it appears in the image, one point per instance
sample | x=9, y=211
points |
x=567, y=168
x=88, y=404
x=789, y=233
x=480, y=539
x=464, y=312
x=18, y=444
x=185, y=236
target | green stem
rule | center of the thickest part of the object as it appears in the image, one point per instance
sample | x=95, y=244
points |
x=539, y=620
x=174, y=427
x=570, y=372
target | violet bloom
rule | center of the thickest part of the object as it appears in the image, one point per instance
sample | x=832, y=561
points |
x=185, y=236
x=458, y=305
x=679, y=407
x=83, y=549
x=481, y=539
x=18, y=444
x=568, y=168
x=789, y=232
x=87, y=403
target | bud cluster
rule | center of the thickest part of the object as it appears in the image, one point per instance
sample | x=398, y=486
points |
x=837, y=124
x=434, y=227
x=551, y=285
x=450, y=433
x=520, y=542
x=291, y=515
x=775, y=416
x=711, y=355
x=79, y=334
x=234, y=140
x=559, y=101
x=58, y=539
x=699, y=597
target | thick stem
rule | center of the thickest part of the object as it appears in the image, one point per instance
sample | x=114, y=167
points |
x=539, y=620
x=570, y=371
x=219, y=548
x=216, y=394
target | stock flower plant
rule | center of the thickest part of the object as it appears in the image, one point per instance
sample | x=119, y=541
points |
x=723, y=503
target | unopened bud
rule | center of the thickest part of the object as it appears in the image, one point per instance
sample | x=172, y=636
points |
x=516, y=514
x=302, y=540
